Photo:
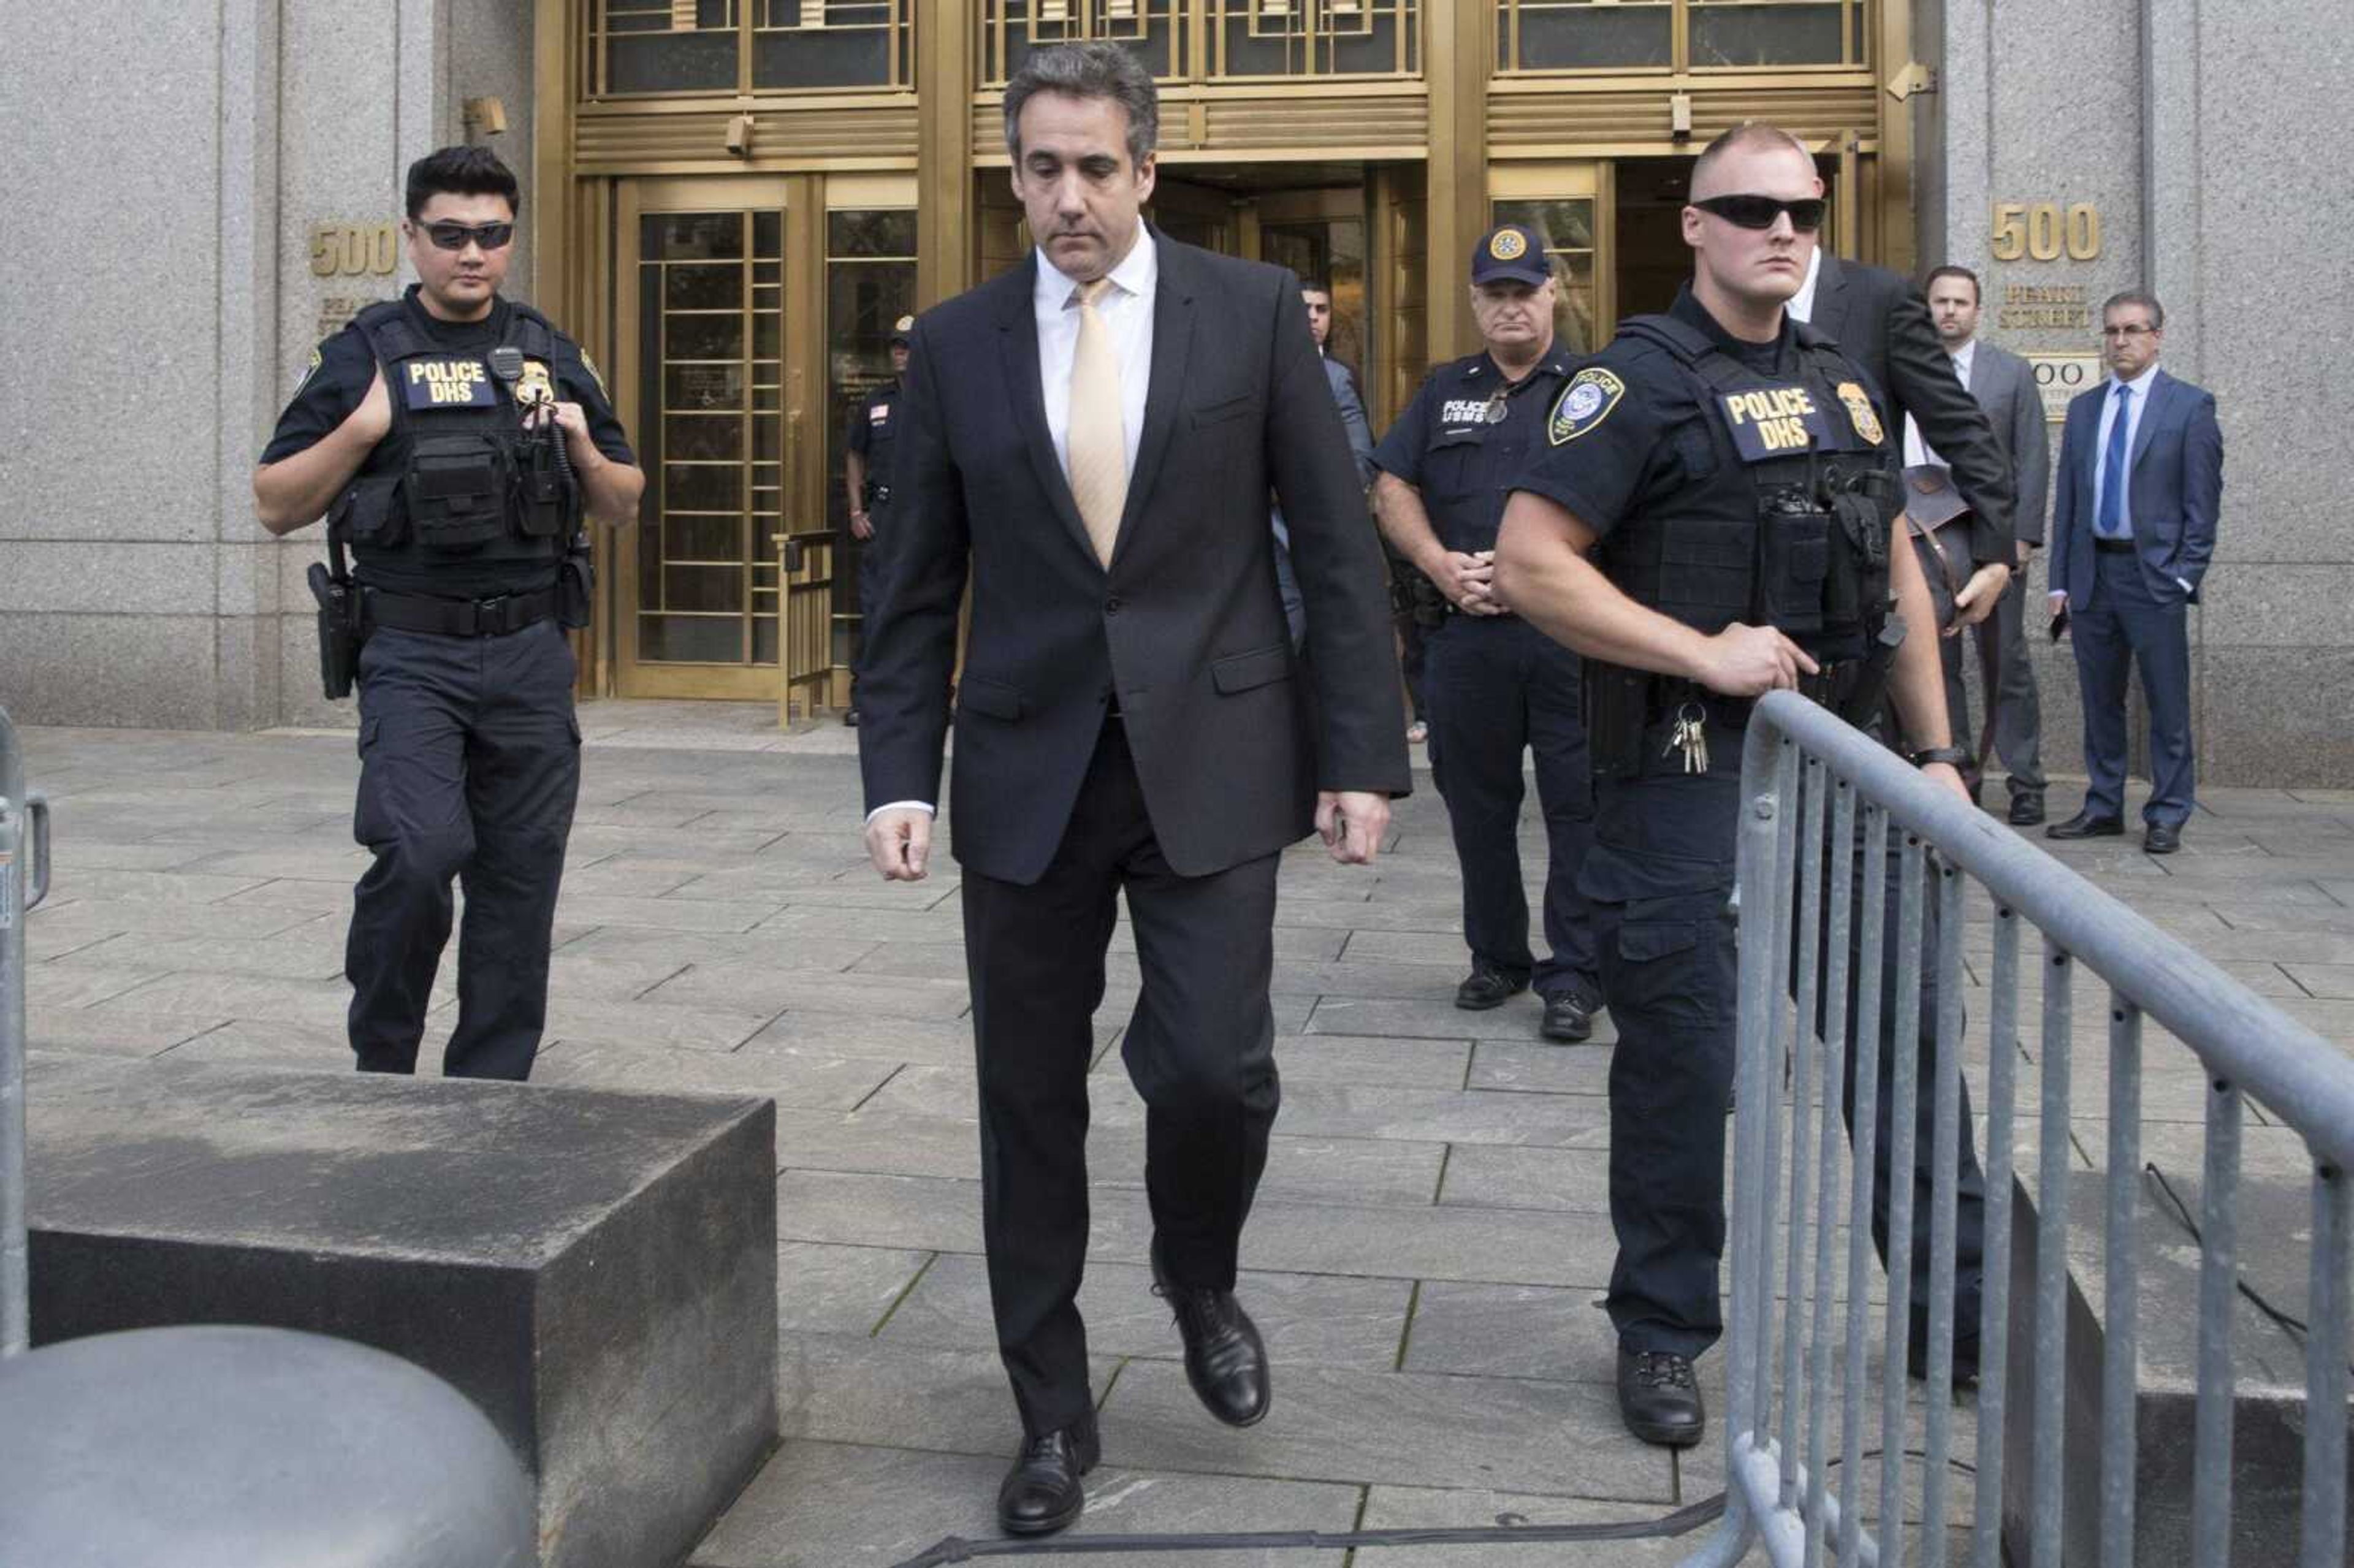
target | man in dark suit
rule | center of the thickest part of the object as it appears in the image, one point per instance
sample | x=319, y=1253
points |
x=1097, y=432
x=1881, y=322
x=2004, y=385
x=2133, y=527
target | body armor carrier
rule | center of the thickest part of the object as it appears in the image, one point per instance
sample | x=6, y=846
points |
x=1804, y=549
x=458, y=478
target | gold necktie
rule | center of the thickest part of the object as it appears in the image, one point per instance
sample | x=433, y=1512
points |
x=1096, y=439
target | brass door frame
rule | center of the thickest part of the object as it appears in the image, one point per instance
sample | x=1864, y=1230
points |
x=634, y=198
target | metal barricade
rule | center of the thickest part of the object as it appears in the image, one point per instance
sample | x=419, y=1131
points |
x=24, y=882
x=1807, y=782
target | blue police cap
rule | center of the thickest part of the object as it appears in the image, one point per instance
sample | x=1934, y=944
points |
x=1511, y=252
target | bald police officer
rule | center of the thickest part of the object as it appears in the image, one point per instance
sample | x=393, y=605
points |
x=1715, y=513
x=455, y=442
x=866, y=475
x=1493, y=686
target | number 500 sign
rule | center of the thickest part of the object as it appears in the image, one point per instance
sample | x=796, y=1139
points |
x=2041, y=231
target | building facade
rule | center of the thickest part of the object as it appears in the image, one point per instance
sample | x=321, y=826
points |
x=730, y=201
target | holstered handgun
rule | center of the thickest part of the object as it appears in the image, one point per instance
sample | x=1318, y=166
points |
x=340, y=633
x=1861, y=702
x=1616, y=703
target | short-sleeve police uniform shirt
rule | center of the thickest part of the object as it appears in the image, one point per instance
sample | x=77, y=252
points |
x=1629, y=432
x=874, y=426
x=1467, y=434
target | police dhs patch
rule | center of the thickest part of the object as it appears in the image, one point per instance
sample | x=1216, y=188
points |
x=1584, y=403
x=1860, y=412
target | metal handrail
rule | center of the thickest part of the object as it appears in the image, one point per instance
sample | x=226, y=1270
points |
x=24, y=882
x=1808, y=779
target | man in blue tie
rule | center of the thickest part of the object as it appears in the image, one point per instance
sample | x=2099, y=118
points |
x=2133, y=527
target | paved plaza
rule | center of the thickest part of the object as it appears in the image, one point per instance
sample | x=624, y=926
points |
x=1430, y=1244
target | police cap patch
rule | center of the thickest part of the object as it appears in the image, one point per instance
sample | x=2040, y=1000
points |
x=1508, y=245
x=1584, y=403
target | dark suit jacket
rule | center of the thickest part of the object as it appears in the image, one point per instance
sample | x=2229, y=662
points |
x=2005, y=386
x=1882, y=322
x=2176, y=465
x=1232, y=736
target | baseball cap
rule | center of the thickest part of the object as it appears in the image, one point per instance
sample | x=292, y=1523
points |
x=1511, y=252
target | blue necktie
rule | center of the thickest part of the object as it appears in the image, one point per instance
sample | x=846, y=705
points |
x=2111, y=523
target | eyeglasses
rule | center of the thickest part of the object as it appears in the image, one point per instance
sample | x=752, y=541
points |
x=2128, y=332
x=454, y=236
x=1760, y=211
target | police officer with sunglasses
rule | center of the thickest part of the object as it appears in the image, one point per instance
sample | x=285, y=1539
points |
x=456, y=441
x=1715, y=513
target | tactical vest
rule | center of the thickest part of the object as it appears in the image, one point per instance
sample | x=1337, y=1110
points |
x=456, y=479
x=1803, y=545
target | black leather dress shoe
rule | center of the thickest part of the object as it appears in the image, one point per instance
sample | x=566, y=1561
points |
x=2162, y=838
x=1966, y=1357
x=2026, y=810
x=1658, y=1398
x=2085, y=825
x=1568, y=1017
x=1042, y=1493
x=1487, y=986
x=1225, y=1360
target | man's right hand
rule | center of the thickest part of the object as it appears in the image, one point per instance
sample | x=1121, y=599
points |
x=1469, y=581
x=899, y=841
x=372, y=420
x=1750, y=660
x=862, y=526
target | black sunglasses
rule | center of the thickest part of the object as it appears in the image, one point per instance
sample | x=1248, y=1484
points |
x=1760, y=211
x=454, y=236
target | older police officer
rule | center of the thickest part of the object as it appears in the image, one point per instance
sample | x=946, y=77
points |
x=1715, y=512
x=455, y=440
x=1495, y=686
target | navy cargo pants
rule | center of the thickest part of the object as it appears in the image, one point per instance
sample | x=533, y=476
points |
x=469, y=765
x=1661, y=876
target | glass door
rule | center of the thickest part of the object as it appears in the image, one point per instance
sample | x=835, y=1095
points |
x=706, y=333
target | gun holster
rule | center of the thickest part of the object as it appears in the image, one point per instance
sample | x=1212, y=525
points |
x=340, y=631
x=576, y=586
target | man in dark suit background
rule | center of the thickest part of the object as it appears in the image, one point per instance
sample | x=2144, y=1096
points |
x=1097, y=432
x=1881, y=322
x=1317, y=299
x=2004, y=385
x=2133, y=527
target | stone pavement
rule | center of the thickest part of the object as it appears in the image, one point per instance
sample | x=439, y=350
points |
x=1430, y=1244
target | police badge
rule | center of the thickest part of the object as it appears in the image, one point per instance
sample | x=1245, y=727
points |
x=535, y=388
x=1584, y=403
x=1860, y=412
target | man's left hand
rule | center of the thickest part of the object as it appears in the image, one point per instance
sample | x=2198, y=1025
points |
x=1946, y=774
x=1353, y=823
x=573, y=420
x=1979, y=595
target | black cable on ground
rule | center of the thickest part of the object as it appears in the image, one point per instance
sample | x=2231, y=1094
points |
x=1683, y=1521
x=2295, y=1328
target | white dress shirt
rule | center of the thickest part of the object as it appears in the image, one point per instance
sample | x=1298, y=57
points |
x=1802, y=303
x=1127, y=309
x=1918, y=452
x=2102, y=478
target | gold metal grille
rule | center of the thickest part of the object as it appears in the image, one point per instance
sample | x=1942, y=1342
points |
x=713, y=321
x=1204, y=41
x=1554, y=38
x=644, y=47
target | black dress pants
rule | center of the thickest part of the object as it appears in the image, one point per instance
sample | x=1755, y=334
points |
x=1199, y=1048
x=470, y=766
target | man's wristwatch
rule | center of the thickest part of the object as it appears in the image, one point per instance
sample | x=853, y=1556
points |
x=1952, y=755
